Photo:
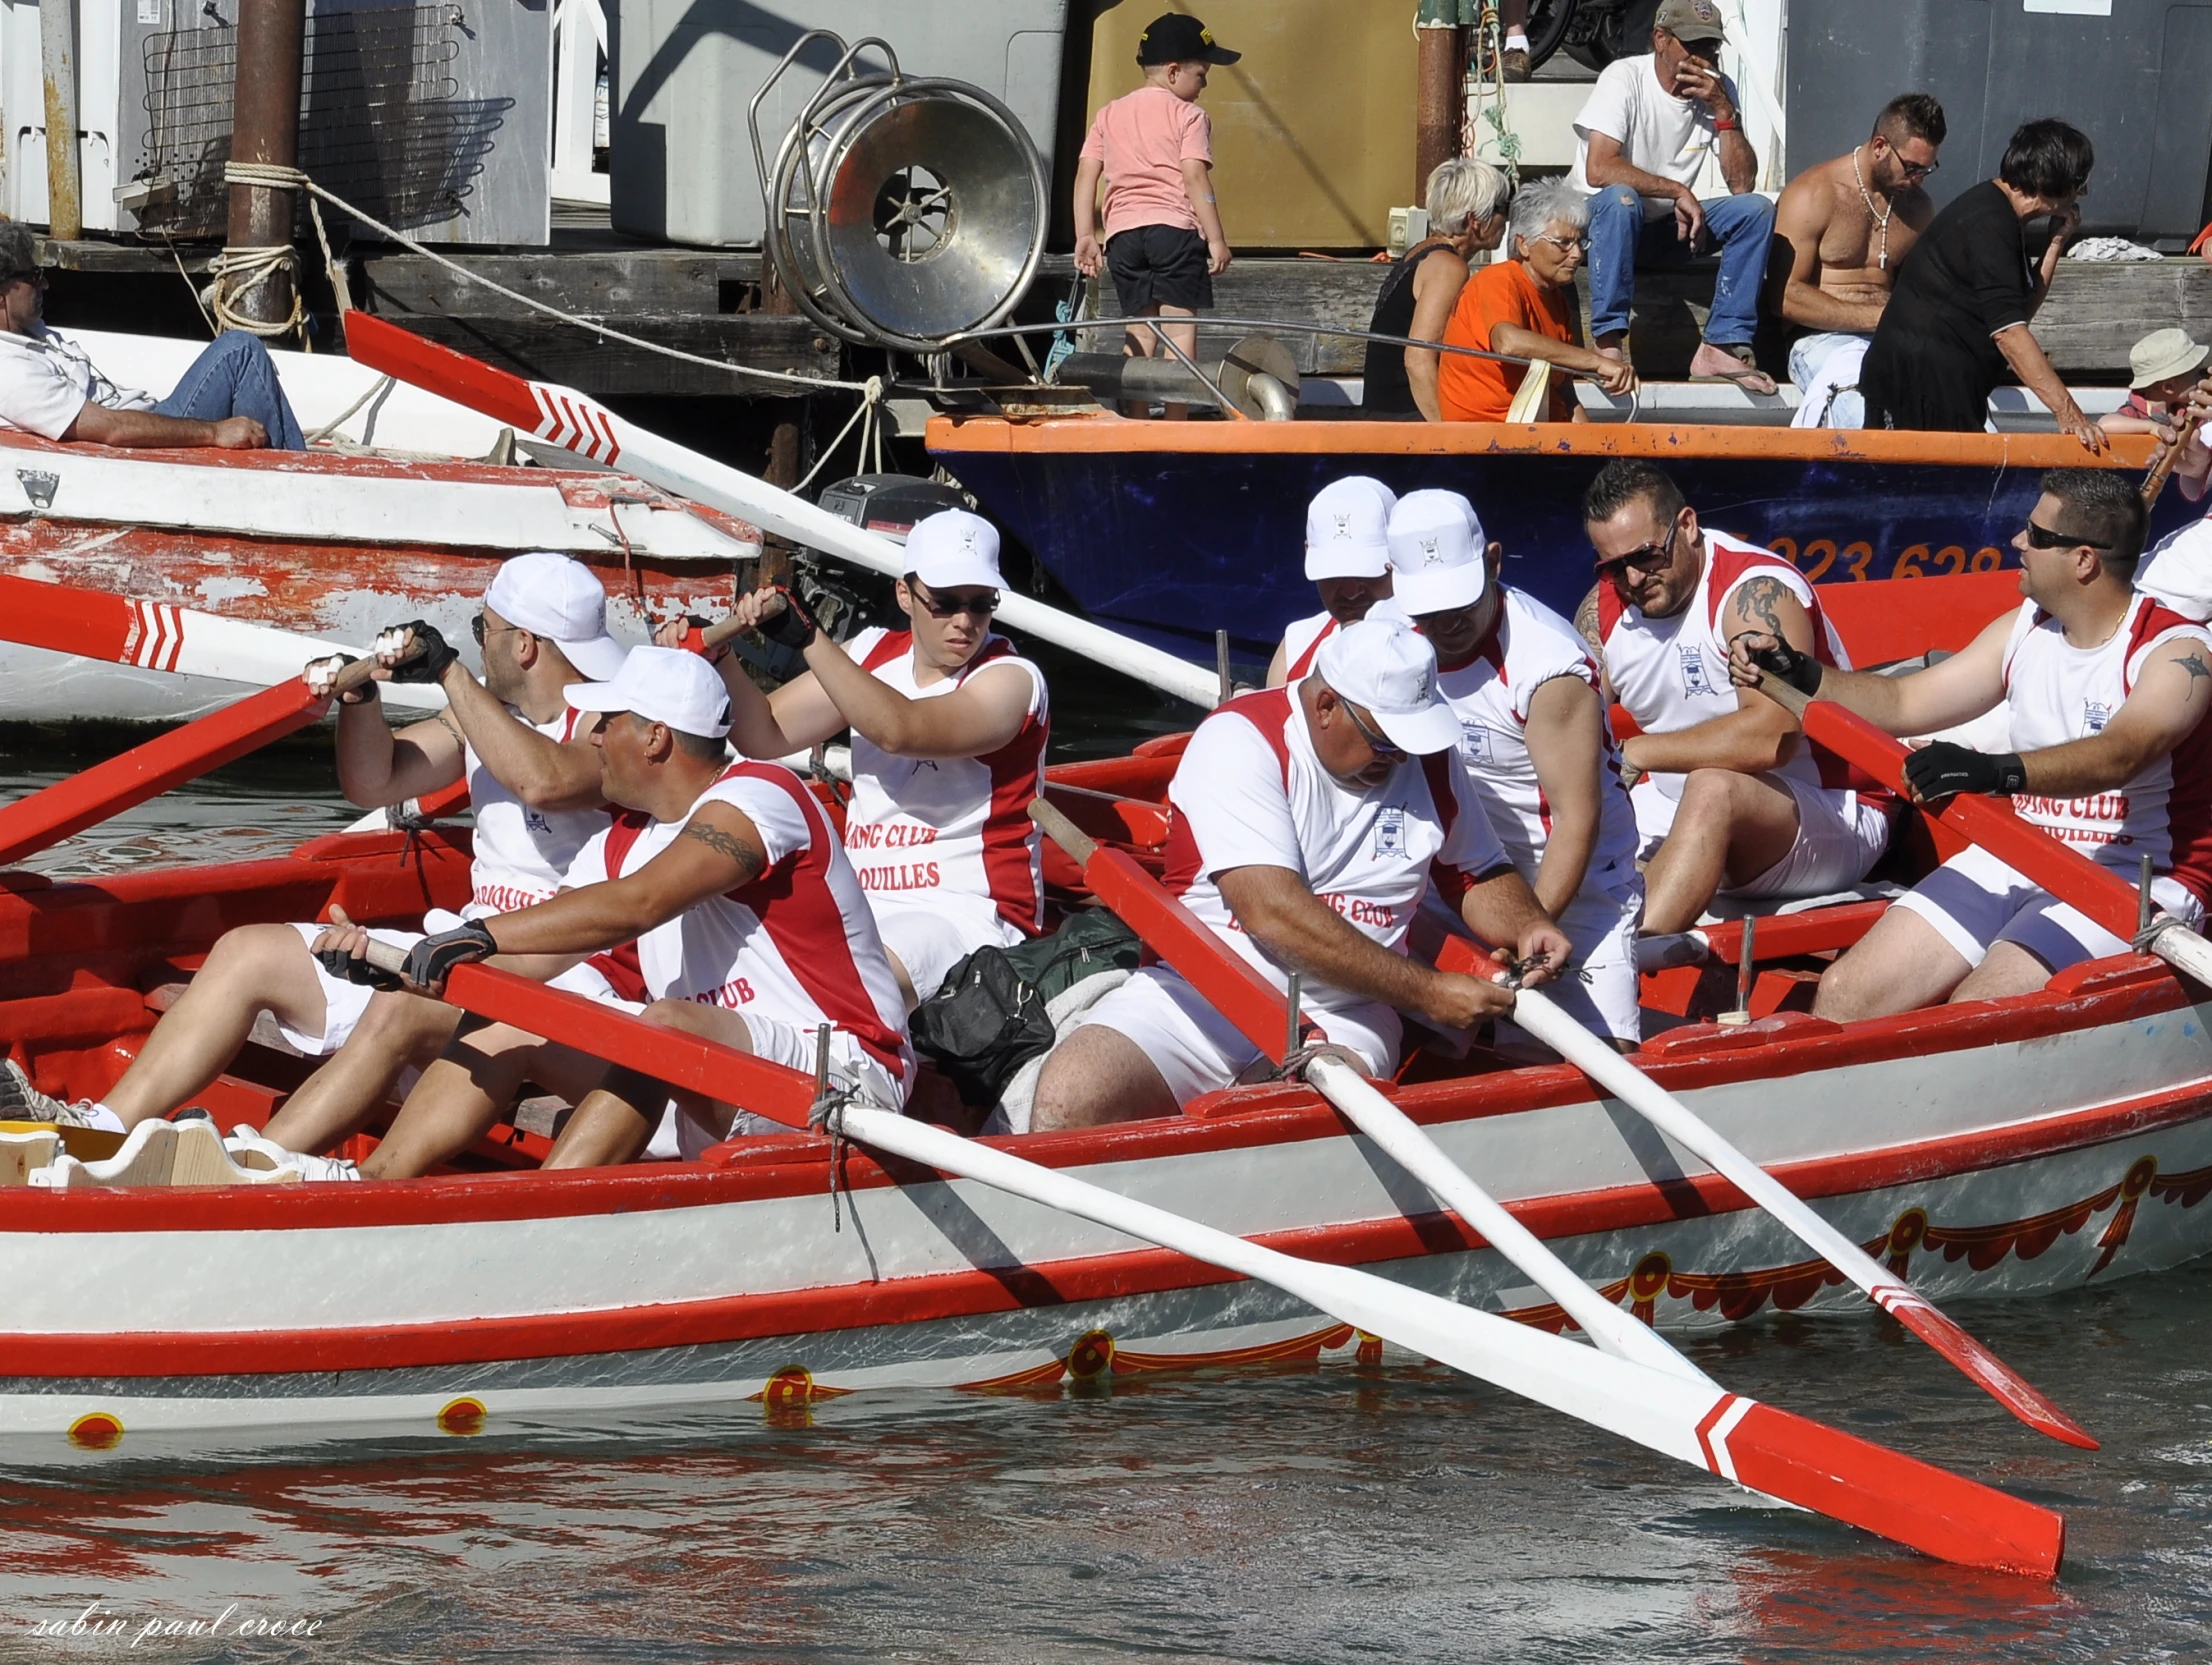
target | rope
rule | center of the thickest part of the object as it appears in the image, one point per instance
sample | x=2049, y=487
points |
x=871, y=399
x=240, y=269
x=293, y=179
x=1490, y=101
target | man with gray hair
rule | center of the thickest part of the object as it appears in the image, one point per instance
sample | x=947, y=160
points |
x=49, y=385
x=1466, y=202
x=1525, y=306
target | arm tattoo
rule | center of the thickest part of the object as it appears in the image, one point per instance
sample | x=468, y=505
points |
x=1586, y=618
x=1761, y=599
x=749, y=860
x=445, y=719
x=2196, y=667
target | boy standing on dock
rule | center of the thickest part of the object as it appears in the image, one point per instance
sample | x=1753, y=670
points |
x=1154, y=149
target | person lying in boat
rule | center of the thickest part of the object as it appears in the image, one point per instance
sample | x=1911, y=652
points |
x=1347, y=559
x=230, y=397
x=750, y=928
x=2106, y=692
x=1848, y=225
x=1728, y=798
x=1534, y=739
x=533, y=780
x=1309, y=824
x=949, y=726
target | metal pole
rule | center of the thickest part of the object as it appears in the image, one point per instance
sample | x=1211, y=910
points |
x=265, y=127
x=57, y=40
x=1437, y=99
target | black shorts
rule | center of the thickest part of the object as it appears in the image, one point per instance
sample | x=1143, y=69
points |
x=1159, y=265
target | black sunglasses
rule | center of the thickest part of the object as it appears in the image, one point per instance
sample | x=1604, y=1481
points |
x=1649, y=558
x=476, y=629
x=940, y=607
x=2042, y=537
x=1376, y=743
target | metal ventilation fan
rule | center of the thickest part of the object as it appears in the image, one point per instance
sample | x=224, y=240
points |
x=901, y=211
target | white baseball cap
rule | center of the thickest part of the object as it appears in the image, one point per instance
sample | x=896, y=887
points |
x=1436, y=553
x=1344, y=529
x=552, y=596
x=662, y=685
x=954, y=550
x=1382, y=666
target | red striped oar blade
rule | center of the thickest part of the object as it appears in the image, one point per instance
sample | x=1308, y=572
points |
x=83, y=800
x=557, y=415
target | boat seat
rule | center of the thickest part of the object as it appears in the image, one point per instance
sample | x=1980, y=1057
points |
x=164, y=1153
x=1727, y=909
x=25, y=1148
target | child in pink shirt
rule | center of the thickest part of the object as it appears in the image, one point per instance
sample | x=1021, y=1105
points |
x=1164, y=241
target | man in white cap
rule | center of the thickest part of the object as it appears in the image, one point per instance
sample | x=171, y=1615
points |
x=1534, y=738
x=750, y=927
x=1348, y=559
x=533, y=779
x=1309, y=824
x=949, y=726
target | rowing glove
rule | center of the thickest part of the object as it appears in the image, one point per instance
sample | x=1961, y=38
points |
x=347, y=969
x=431, y=961
x=695, y=641
x=1800, y=670
x=431, y=655
x=1943, y=769
x=795, y=626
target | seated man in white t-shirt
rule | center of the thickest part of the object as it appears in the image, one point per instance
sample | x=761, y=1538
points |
x=49, y=386
x=533, y=779
x=1642, y=140
x=1309, y=824
x=1348, y=561
x=949, y=726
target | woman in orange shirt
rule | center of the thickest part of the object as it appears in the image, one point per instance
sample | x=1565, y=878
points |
x=1525, y=306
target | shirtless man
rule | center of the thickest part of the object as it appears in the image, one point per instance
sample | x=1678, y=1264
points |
x=1727, y=795
x=1849, y=224
x=533, y=780
x=2107, y=693
x=949, y=726
x=1347, y=559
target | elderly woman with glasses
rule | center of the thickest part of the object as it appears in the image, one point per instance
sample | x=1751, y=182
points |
x=1466, y=216
x=1525, y=307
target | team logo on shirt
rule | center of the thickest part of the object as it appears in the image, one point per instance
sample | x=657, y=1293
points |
x=536, y=822
x=1390, y=831
x=2094, y=715
x=1474, y=743
x=1694, y=682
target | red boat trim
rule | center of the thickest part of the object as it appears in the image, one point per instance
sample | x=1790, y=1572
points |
x=971, y=1293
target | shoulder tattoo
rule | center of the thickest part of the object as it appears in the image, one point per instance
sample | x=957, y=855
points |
x=749, y=860
x=1586, y=617
x=1761, y=599
x=2193, y=663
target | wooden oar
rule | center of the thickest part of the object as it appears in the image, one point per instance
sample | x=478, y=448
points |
x=1788, y=1457
x=2162, y=470
x=1239, y=993
x=562, y=416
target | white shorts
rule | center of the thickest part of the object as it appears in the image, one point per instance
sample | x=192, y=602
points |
x=1826, y=368
x=1840, y=836
x=1197, y=1050
x=1602, y=988
x=930, y=939
x=792, y=1045
x=1975, y=901
x=343, y=1001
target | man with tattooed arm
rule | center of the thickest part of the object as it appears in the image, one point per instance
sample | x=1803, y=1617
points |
x=2106, y=690
x=1728, y=797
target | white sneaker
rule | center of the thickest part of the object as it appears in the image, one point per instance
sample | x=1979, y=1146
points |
x=250, y=1150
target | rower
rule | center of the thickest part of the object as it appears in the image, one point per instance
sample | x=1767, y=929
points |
x=533, y=781
x=751, y=929
x=1728, y=798
x=1536, y=745
x=1308, y=824
x=949, y=726
x=2106, y=690
x=1348, y=559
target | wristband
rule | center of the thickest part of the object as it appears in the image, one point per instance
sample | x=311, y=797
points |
x=1731, y=125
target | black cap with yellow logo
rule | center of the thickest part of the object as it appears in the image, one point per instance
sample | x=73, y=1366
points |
x=1176, y=39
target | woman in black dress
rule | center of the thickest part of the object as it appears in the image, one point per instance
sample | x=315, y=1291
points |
x=1467, y=202
x=1956, y=326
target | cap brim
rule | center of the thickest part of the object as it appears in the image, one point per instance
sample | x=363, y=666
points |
x=1443, y=590
x=599, y=658
x=1220, y=55
x=962, y=575
x=1420, y=733
x=1341, y=561
x=595, y=696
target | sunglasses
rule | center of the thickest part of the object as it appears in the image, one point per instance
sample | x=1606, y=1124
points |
x=981, y=605
x=2042, y=537
x=1376, y=743
x=1648, y=558
x=478, y=630
x=1917, y=170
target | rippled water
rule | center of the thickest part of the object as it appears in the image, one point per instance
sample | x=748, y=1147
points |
x=1314, y=1514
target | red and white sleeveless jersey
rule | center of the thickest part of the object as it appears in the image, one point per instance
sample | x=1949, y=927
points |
x=1672, y=673
x=520, y=852
x=2058, y=693
x=797, y=944
x=1528, y=647
x=1302, y=639
x=922, y=829
x=1249, y=791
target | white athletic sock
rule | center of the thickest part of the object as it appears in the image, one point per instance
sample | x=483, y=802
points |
x=1517, y=41
x=106, y=1120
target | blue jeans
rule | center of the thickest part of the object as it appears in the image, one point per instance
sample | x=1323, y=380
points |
x=235, y=377
x=1621, y=240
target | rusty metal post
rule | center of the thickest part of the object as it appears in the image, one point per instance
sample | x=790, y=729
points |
x=783, y=439
x=1439, y=90
x=57, y=39
x=265, y=127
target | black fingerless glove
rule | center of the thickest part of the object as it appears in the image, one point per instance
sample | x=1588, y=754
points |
x=430, y=658
x=431, y=961
x=1800, y=670
x=1943, y=769
x=347, y=969
x=795, y=626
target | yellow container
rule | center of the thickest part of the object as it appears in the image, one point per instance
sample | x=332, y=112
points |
x=1312, y=130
